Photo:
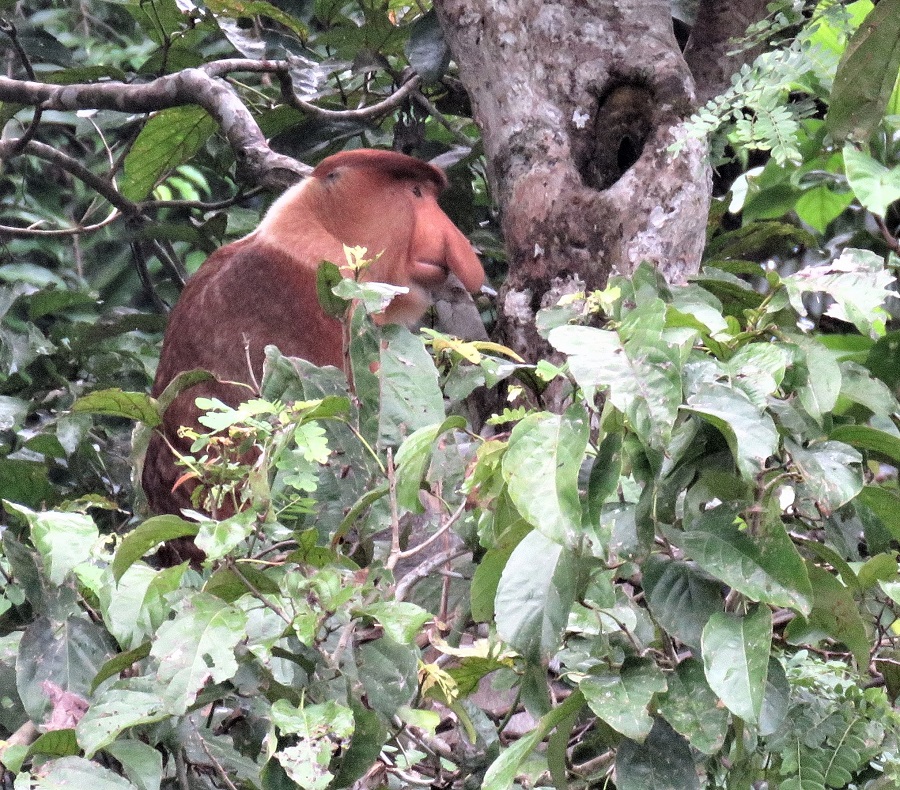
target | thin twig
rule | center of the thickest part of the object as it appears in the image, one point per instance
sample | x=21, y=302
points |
x=892, y=241
x=215, y=763
x=367, y=113
x=427, y=542
x=19, y=143
x=31, y=230
x=425, y=569
x=394, y=556
x=259, y=596
x=422, y=100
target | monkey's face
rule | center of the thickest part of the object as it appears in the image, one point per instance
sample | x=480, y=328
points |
x=400, y=219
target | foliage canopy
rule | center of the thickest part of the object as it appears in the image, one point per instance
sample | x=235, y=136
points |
x=688, y=577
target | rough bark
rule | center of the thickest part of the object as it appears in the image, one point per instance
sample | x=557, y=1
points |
x=713, y=52
x=579, y=103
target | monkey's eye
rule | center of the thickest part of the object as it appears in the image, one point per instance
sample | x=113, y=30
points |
x=417, y=190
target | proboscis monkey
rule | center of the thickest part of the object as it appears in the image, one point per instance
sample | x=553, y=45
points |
x=261, y=290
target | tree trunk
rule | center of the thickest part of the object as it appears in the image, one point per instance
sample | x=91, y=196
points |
x=579, y=104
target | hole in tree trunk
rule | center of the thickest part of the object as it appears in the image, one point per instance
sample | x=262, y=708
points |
x=621, y=126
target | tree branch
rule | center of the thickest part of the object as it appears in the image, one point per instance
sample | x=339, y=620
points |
x=201, y=86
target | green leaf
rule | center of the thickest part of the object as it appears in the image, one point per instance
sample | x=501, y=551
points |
x=412, y=460
x=604, y=477
x=736, y=659
x=504, y=769
x=55, y=743
x=751, y=435
x=776, y=700
x=681, y=599
x=884, y=503
x=114, y=711
x=62, y=655
x=535, y=596
x=426, y=49
x=237, y=9
x=642, y=372
x=118, y=403
x=692, y=708
x=758, y=369
x=369, y=736
x=141, y=762
x=857, y=282
x=874, y=185
x=819, y=392
x=63, y=539
x=866, y=75
x=170, y=138
x=541, y=467
x=151, y=533
x=402, y=621
x=78, y=772
x=820, y=205
x=410, y=395
x=662, y=762
x=119, y=663
x=319, y=732
x=197, y=647
x=217, y=538
x=835, y=613
x=879, y=444
x=622, y=698
x=388, y=673
x=328, y=275
x=831, y=473
x=767, y=568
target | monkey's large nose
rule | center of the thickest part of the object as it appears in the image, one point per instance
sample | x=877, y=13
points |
x=430, y=273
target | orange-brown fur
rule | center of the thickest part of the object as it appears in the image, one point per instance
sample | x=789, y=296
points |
x=260, y=290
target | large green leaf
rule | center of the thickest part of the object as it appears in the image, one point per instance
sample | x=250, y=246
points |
x=59, y=656
x=197, y=647
x=874, y=185
x=662, y=762
x=502, y=771
x=880, y=444
x=819, y=392
x=169, y=139
x=692, y=708
x=151, y=533
x=643, y=373
x=750, y=434
x=835, y=613
x=622, y=698
x=681, y=598
x=541, y=468
x=118, y=403
x=320, y=730
x=857, y=282
x=866, y=75
x=78, y=772
x=821, y=204
x=63, y=539
x=412, y=460
x=113, y=712
x=766, y=568
x=535, y=595
x=736, y=659
x=831, y=473
x=410, y=395
x=388, y=673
